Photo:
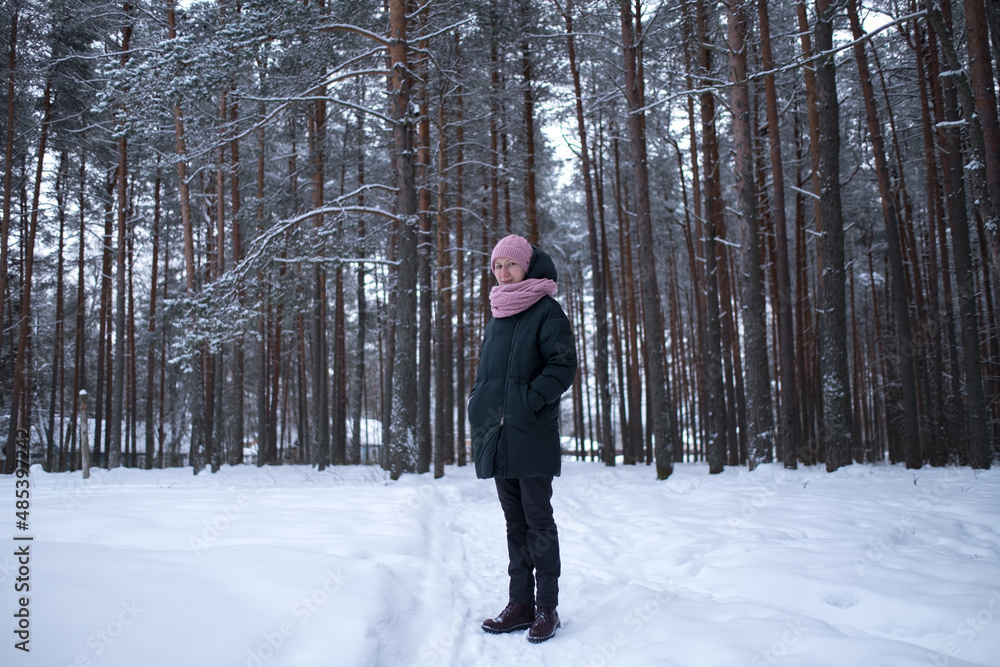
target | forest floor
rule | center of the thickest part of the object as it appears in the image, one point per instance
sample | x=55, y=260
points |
x=288, y=566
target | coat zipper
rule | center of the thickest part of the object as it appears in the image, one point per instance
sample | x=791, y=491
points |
x=506, y=382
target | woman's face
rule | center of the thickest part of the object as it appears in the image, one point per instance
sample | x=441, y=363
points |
x=507, y=271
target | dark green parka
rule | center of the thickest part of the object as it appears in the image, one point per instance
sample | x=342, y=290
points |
x=526, y=363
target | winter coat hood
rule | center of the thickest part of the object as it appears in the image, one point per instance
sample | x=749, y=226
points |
x=541, y=266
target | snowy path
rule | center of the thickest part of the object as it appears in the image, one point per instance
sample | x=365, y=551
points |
x=292, y=567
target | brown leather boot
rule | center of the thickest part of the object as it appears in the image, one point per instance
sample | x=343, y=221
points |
x=544, y=627
x=515, y=616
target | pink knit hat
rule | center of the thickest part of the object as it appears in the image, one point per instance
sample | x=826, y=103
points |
x=515, y=247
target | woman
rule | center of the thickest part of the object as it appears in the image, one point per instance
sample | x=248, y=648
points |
x=527, y=361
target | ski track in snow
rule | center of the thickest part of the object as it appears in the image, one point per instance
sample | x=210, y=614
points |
x=263, y=567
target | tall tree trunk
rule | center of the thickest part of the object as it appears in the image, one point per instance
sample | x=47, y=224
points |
x=320, y=360
x=103, y=335
x=788, y=415
x=262, y=327
x=759, y=424
x=941, y=416
x=403, y=438
x=834, y=360
x=161, y=428
x=631, y=442
x=207, y=427
x=19, y=413
x=235, y=453
x=132, y=411
x=979, y=437
x=8, y=163
x=360, y=252
x=56, y=390
x=712, y=371
x=693, y=235
x=220, y=189
x=339, y=416
x=115, y=427
x=928, y=399
x=953, y=193
x=661, y=411
x=184, y=193
x=528, y=81
x=460, y=282
x=804, y=341
x=339, y=435
x=444, y=447
x=598, y=271
x=262, y=386
x=609, y=285
x=424, y=245
x=303, y=426
x=222, y=446
x=79, y=374
x=900, y=302
x=808, y=368
x=151, y=355
x=275, y=384
x=491, y=232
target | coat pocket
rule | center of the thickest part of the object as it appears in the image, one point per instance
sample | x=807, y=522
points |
x=485, y=407
x=484, y=450
x=524, y=414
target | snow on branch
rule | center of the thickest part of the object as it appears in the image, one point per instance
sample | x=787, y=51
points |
x=345, y=27
x=256, y=256
x=804, y=62
x=444, y=30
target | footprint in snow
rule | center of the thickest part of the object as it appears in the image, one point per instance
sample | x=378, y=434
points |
x=841, y=600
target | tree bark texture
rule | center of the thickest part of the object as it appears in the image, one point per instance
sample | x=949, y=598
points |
x=661, y=414
x=906, y=349
x=836, y=435
x=759, y=423
x=403, y=441
x=789, y=433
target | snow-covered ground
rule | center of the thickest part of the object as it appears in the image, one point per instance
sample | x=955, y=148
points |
x=287, y=566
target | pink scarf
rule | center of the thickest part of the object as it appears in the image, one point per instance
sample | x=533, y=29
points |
x=507, y=300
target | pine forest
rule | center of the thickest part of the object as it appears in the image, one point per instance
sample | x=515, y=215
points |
x=258, y=231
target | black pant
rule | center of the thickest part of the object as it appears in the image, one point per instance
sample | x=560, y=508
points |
x=532, y=540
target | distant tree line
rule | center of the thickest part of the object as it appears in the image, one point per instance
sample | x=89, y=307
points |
x=253, y=228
